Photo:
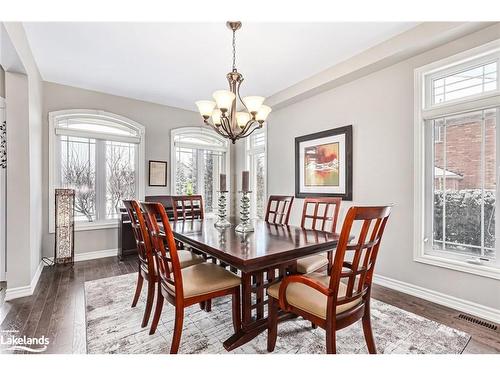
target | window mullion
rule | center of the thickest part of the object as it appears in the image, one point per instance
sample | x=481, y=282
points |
x=444, y=183
x=483, y=155
x=100, y=163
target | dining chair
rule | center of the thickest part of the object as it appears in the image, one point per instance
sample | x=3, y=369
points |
x=278, y=209
x=319, y=214
x=183, y=287
x=188, y=207
x=341, y=299
x=147, y=265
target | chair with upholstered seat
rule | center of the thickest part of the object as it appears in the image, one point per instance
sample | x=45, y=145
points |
x=147, y=265
x=183, y=287
x=278, y=209
x=187, y=207
x=341, y=299
x=318, y=214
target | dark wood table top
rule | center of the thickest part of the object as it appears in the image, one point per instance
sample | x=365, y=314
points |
x=268, y=245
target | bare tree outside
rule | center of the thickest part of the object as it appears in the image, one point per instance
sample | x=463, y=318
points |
x=79, y=174
x=120, y=176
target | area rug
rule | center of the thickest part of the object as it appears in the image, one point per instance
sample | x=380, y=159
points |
x=114, y=327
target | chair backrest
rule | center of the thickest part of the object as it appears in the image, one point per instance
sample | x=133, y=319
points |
x=321, y=214
x=357, y=271
x=164, y=247
x=141, y=234
x=278, y=209
x=188, y=207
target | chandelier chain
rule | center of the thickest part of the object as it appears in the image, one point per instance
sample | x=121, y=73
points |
x=234, y=50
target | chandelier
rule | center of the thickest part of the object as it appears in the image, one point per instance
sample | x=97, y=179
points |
x=224, y=115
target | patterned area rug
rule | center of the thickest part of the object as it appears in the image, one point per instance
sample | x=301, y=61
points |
x=114, y=327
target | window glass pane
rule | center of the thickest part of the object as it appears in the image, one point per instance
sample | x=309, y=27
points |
x=120, y=176
x=260, y=184
x=78, y=172
x=186, y=171
x=465, y=83
x=97, y=126
x=465, y=184
x=212, y=164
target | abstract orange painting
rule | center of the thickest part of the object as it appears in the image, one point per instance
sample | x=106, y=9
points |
x=321, y=165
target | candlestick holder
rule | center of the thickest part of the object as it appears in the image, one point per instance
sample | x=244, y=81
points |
x=245, y=225
x=222, y=221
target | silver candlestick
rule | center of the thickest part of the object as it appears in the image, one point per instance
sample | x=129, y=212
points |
x=222, y=221
x=245, y=225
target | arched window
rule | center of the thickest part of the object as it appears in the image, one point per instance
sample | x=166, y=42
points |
x=101, y=156
x=198, y=157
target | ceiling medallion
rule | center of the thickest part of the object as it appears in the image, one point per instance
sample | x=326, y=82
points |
x=225, y=115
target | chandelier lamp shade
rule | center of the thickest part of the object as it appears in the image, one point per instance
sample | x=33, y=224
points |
x=228, y=114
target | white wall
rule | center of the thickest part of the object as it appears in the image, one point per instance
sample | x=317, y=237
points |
x=24, y=170
x=380, y=108
x=158, y=120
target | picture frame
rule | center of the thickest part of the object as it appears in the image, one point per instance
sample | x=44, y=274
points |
x=157, y=173
x=323, y=164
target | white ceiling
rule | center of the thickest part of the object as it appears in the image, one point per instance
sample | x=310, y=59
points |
x=179, y=63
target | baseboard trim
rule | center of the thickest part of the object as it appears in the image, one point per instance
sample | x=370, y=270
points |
x=96, y=255
x=459, y=304
x=24, y=291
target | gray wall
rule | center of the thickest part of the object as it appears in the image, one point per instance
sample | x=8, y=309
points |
x=158, y=120
x=380, y=108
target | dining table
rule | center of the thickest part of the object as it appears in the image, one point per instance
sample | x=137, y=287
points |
x=261, y=258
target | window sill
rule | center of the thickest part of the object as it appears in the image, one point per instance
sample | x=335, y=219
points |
x=462, y=266
x=79, y=227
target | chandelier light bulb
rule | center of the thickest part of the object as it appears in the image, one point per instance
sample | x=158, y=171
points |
x=253, y=103
x=264, y=111
x=242, y=118
x=205, y=107
x=224, y=99
x=216, y=114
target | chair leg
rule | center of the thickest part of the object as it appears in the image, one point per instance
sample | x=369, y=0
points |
x=331, y=338
x=202, y=305
x=157, y=313
x=149, y=303
x=176, y=339
x=313, y=326
x=272, y=328
x=367, y=330
x=208, y=305
x=236, y=310
x=138, y=289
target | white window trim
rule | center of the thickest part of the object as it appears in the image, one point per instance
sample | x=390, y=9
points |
x=248, y=164
x=196, y=131
x=421, y=114
x=57, y=115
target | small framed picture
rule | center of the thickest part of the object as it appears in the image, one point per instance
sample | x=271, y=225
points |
x=157, y=173
x=323, y=164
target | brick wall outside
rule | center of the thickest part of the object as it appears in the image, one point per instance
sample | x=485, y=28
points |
x=463, y=154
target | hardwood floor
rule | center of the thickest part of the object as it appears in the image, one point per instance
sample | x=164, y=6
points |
x=57, y=308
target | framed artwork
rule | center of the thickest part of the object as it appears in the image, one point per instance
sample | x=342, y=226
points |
x=323, y=164
x=157, y=173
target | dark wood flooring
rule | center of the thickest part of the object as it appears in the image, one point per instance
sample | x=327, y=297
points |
x=57, y=308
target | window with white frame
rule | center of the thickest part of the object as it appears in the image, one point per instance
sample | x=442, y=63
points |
x=199, y=156
x=101, y=156
x=457, y=158
x=256, y=163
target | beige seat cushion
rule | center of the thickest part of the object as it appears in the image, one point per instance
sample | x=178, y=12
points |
x=204, y=278
x=310, y=300
x=312, y=263
x=188, y=258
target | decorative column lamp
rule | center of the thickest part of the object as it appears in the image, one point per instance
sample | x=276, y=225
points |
x=245, y=225
x=64, y=247
x=222, y=221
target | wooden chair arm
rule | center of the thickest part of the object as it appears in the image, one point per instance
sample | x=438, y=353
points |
x=301, y=279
